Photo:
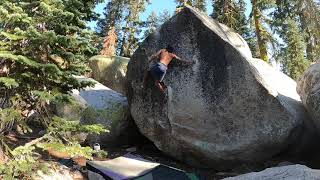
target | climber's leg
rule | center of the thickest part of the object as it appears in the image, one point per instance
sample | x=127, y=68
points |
x=158, y=73
x=158, y=84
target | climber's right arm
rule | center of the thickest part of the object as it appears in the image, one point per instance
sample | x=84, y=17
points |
x=156, y=55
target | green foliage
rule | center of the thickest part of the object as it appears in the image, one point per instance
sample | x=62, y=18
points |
x=101, y=154
x=60, y=126
x=232, y=14
x=22, y=164
x=44, y=43
x=74, y=150
x=61, y=137
x=306, y=14
x=295, y=62
x=8, y=82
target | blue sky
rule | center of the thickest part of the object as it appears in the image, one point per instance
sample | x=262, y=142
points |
x=158, y=6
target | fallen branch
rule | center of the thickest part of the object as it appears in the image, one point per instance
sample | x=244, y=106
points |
x=35, y=141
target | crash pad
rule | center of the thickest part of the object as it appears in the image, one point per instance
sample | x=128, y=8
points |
x=134, y=168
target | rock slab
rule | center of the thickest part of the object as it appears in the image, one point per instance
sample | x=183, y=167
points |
x=110, y=71
x=224, y=110
x=292, y=172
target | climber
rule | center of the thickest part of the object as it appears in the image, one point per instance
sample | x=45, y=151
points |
x=158, y=70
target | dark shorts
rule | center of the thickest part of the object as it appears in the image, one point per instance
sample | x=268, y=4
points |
x=158, y=71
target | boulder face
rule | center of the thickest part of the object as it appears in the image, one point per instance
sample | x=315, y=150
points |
x=110, y=71
x=292, y=172
x=225, y=109
x=309, y=91
x=101, y=105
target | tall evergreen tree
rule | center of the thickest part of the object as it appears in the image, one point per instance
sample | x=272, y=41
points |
x=43, y=44
x=151, y=24
x=309, y=13
x=154, y=21
x=109, y=43
x=200, y=4
x=113, y=19
x=113, y=16
x=132, y=29
x=232, y=14
x=124, y=15
x=295, y=62
x=304, y=18
x=227, y=12
x=164, y=16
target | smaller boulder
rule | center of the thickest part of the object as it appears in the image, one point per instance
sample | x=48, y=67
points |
x=308, y=87
x=292, y=172
x=110, y=71
x=101, y=105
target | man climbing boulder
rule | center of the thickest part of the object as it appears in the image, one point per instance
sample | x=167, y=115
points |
x=224, y=110
x=158, y=70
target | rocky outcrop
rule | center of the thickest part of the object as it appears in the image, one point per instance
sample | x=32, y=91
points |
x=309, y=91
x=292, y=172
x=101, y=105
x=225, y=109
x=110, y=71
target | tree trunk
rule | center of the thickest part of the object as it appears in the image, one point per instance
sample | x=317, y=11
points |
x=259, y=30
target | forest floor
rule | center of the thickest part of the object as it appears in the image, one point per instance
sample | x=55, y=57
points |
x=145, y=150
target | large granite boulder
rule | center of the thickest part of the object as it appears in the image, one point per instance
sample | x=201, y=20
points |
x=292, y=172
x=309, y=91
x=225, y=109
x=110, y=71
x=101, y=105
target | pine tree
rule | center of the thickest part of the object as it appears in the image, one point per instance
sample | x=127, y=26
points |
x=164, y=16
x=303, y=14
x=113, y=16
x=226, y=12
x=154, y=21
x=151, y=24
x=295, y=62
x=183, y=2
x=109, y=43
x=309, y=13
x=232, y=14
x=261, y=21
x=43, y=44
x=200, y=4
x=124, y=16
x=113, y=19
x=132, y=29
